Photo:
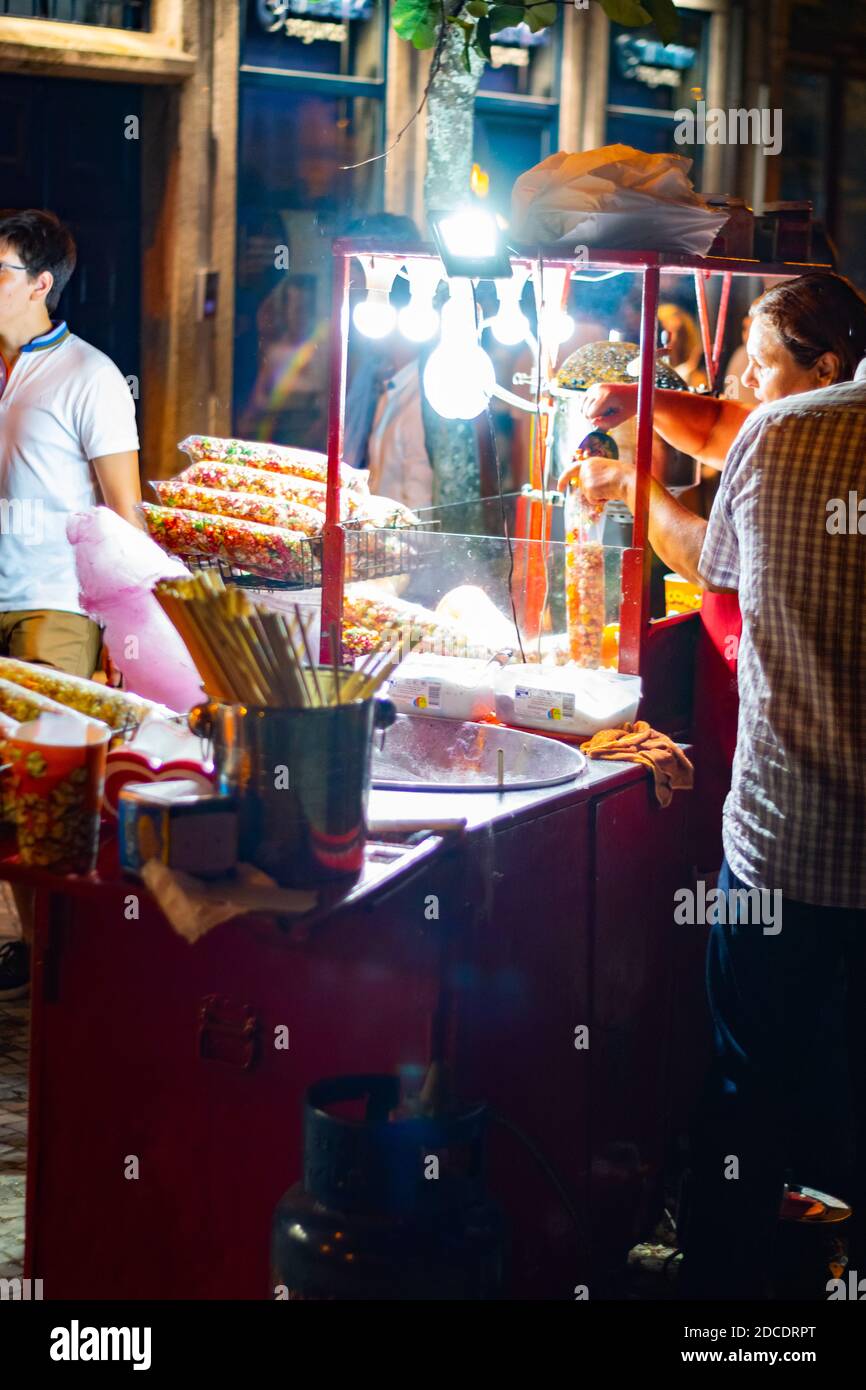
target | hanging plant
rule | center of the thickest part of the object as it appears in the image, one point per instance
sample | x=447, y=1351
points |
x=422, y=22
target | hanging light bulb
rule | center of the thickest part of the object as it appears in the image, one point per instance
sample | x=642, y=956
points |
x=556, y=326
x=459, y=377
x=510, y=325
x=376, y=316
x=419, y=321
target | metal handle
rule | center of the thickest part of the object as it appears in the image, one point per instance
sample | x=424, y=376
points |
x=227, y=1033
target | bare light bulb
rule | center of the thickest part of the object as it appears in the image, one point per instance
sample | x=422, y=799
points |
x=418, y=321
x=556, y=326
x=510, y=326
x=459, y=381
x=375, y=316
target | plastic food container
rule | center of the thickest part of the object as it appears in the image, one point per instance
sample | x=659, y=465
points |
x=566, y=699
x=448, y=687
x=681, y=596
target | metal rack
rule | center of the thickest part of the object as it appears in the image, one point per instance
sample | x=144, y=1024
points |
x=382, y=553
x=635, y=627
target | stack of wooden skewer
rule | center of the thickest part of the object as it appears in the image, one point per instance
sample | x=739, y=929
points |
x=247, y=654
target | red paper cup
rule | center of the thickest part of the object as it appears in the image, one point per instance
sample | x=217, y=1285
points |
x=56, y=795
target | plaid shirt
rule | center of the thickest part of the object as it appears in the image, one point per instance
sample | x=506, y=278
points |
x=795, y=818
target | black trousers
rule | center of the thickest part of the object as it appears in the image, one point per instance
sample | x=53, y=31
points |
x=784, y=1100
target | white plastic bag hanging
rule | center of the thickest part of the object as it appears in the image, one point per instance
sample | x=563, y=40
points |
x=613, y=197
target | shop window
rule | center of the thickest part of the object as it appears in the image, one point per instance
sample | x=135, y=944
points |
x=852, y=184
x=506, y=144
x=342, y=38
x=311, y=106
x=133, y=15
x=517, y=107
x=806, y=104
x=649, y=81
x=524, y=64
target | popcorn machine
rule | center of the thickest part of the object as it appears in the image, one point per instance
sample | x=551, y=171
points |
x=646, y=648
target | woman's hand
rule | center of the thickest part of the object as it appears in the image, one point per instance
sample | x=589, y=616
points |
x=605, y=407
x=599, y=479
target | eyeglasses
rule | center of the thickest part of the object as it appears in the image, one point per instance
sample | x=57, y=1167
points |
x=10, y=265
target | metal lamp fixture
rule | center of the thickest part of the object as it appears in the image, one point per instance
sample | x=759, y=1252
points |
x=471, y=242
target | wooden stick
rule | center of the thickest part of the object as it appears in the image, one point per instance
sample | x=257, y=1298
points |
x=379, y=676
x=308, y=650
x=183, y=617
x=288, y=666
x=335, y=658
x=288, y=638
x=276, y=673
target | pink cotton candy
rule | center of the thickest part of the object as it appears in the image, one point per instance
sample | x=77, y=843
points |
x=117, y=567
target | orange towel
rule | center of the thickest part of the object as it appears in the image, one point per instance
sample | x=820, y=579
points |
x=638, y=743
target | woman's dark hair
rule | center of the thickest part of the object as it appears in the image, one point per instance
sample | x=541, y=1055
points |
x=816, y=313
x=41, y=242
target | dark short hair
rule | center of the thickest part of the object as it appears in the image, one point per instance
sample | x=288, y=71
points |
x=391, y=229
x=388, y=226
x=41, y=242
x=816, y=313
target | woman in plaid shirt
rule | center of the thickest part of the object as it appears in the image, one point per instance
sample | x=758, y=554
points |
x=786, y=966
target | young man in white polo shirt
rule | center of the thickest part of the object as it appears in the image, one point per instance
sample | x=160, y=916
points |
x=68, y=440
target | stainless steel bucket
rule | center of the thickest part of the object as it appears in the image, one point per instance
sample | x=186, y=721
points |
x=302, y=778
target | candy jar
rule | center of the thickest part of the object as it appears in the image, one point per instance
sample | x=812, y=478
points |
x=584, y=561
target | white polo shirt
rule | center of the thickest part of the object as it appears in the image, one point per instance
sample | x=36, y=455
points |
x=63, y=404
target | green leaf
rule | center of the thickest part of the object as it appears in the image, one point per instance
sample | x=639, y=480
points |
x=629, y=12
x=416, y=20
x=482, y=37
x=505, y=17
x=666, y=21
x=540, y=16
x=425, y=34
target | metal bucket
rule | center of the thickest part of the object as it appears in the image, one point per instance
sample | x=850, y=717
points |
x=302, y=778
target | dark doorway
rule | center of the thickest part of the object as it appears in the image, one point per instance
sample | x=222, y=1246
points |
x=73, y=147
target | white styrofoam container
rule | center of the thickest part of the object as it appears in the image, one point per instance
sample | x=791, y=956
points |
x=450, y=687
x=565, y=699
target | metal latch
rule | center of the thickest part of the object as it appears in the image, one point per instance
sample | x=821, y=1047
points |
x=227, y=1032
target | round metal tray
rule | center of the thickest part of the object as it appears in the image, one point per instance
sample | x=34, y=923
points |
x=448, y=755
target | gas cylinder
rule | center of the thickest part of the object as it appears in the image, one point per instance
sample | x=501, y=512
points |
x=392, y=1203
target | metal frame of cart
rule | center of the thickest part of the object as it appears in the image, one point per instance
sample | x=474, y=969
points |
x=635, y=627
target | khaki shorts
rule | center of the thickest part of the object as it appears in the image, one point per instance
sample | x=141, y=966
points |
x=67, y=641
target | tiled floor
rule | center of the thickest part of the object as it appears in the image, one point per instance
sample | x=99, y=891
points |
x=13, y=1113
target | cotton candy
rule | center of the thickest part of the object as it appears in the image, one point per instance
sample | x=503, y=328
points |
x=117, y=567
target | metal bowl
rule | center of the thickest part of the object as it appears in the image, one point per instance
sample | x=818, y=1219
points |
x=421, y=753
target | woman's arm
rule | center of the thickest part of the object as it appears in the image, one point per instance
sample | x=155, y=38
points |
x=675, y=533
x=703, y=426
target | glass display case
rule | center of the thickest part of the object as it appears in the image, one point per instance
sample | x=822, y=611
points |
x=474, y=547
